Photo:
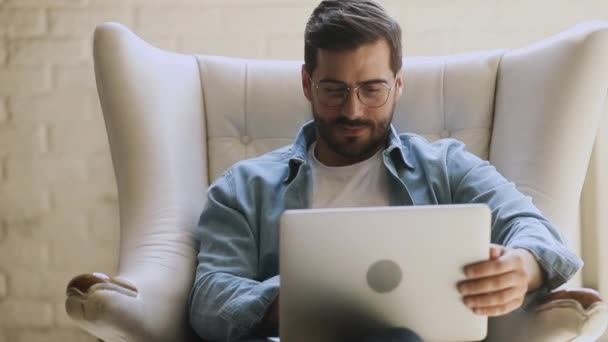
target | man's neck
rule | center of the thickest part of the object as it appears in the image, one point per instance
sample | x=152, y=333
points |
x=329, y=157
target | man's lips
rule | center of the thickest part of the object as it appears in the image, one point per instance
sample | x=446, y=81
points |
x=351, y=130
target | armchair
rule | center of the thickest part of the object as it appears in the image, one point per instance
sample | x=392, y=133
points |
x=175, y=122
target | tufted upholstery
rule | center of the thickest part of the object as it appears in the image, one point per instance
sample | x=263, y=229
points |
x=245, y=102
x=175, y=122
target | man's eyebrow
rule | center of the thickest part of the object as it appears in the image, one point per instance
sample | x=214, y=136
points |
x=329, y=80
x=374, y=80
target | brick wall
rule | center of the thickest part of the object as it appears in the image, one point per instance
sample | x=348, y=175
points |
x=58, y=202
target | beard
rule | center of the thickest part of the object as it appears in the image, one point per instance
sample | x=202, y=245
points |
x=353, y=148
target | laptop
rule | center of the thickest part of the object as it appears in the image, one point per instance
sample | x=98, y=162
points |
x=350, y=272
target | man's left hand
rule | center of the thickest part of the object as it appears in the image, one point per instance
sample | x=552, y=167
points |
x=498, y=286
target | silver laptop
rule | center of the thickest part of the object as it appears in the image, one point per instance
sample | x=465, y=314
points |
x=346, y=273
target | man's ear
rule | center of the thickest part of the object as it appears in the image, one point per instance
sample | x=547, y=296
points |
x=306, y=85
x=399, y=85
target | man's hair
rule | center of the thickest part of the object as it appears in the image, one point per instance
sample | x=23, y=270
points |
x=340, y=25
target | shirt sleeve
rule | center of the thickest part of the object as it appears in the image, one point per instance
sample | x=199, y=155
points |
x=227, y=300
x=516, y=222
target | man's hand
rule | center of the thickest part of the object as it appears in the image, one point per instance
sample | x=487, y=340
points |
x=497, y=286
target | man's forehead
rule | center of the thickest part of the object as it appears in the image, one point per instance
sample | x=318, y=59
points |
x=368, y=61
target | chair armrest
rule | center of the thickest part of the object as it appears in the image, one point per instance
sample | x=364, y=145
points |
x=584, y=296
x=82, y=284
x=577, y=314
x=103, y=306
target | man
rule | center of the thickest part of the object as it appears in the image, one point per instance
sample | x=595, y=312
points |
x=351, y=156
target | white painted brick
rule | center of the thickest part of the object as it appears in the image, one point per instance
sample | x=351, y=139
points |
x=426, y=42
x=472, y=40
x=78, y=138
x=446, y=14
x=82, y=22
x=162, y=41
x=39, y=284
x=55, y=335
x=598, y=9
x=23, y=202
x=26, y=313
x=3, y=52
x=31, y=284
x=555, y=14
x=76, y=79
x=45, y=3
x=3, y=229
x=22, y=140
x=3, y=286
x=82, y=197
x=225, y=3
x=41, y=170
x=61, y=224
x=286, y=48
x=100, y=170
x=25, y=226
x=61, y=316
x=467, y=40
x=38, y=51
x=180, y=20
x=24, y=81
x=19, y=252
x=3, y=180
x=53, y=108
x=22, y=22
x=394, y=8
x=264, y=20
x=110, y=4
x=104, y=224
x=238, y=46
x=84, y=256
x=3, y=113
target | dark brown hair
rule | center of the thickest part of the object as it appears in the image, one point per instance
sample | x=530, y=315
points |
x=347, y=24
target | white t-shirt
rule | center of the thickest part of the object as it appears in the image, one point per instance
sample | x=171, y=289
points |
x=364, y=184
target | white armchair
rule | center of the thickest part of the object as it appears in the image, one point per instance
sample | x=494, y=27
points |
x=176, y=121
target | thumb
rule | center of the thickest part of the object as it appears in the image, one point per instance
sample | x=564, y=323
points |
x=495, y=251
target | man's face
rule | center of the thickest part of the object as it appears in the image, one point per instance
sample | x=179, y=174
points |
x=352, y=131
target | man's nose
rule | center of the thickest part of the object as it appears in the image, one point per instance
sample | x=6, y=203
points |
x=352, y=107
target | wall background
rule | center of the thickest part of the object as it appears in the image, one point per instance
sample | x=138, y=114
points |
x=58, y=202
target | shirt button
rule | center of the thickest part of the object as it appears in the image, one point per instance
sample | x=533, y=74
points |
x=445, y=134
x=246, y=140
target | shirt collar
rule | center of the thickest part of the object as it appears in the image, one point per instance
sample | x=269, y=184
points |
x=395, y=148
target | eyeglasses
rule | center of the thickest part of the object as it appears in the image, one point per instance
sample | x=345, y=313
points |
x=334, y=94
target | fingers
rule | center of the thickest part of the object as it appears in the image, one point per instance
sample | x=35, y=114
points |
x=492, y=284
x=493, y=299
x=499, y=310
x=496, y=251
x=504, y=264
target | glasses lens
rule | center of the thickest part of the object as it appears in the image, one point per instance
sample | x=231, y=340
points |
x=331, y=95
x=373, y=95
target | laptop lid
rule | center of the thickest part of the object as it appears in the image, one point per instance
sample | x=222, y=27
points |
x=345, y=272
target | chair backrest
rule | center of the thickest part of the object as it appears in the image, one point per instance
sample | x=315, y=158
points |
x=176, y=122
x=253, y=107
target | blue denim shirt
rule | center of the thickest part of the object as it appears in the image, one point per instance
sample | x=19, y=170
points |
x=237, y=275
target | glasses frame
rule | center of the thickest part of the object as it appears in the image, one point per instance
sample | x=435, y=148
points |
x=356, y=89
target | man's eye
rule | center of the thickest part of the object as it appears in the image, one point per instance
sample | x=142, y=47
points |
x=333, y=90
x=373, y=88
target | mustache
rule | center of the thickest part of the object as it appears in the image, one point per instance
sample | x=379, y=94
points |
x=344, y=121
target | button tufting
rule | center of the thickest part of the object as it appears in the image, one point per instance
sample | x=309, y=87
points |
x=445, y=134
x=246, y=140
